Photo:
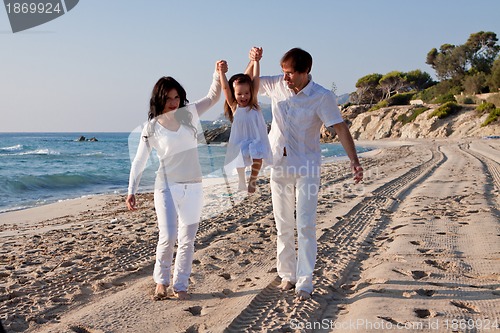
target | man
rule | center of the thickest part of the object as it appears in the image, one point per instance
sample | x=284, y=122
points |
x=299, y=108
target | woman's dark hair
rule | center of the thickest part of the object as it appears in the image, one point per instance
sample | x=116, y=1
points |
x=240, y=79
x=301, y=60
x=159, y=100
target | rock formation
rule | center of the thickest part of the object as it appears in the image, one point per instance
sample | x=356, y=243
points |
x=388, y=123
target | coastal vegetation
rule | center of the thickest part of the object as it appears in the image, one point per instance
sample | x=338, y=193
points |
x=492, y=117
x=445, y=110
x=463, y=72
x=413, y=114
x=492, y=111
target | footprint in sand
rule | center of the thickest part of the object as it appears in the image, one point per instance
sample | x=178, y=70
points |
x=398, y=226
x=244, y=262
x=83, y=329
x=390, y=320
x=194, y=310
x=417, y=275
x=467, y=306
x=424, y=313
x=223, y=294
x=425, y=292
x=214, y=257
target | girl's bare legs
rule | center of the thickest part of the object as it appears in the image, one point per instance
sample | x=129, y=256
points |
x=241, y=179
x=257, y=164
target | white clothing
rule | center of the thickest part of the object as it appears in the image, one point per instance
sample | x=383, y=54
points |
x=297, y=120
x=178, y=190
x=248, y=140
x=176, y=150
x=295, y=179
x=176, y=206
x=288, y=190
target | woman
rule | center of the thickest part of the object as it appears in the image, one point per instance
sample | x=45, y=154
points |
x=178, y=188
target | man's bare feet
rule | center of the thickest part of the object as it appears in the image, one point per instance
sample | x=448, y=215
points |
x=183, y=295
x=286, y=285
x=160, y=292
x=303, y=295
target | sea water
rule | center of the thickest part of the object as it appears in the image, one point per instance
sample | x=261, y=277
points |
x=40, y=168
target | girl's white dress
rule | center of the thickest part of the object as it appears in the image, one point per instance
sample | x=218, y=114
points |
x=248, y=140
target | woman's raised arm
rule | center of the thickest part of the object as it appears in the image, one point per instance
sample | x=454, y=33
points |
x=214, y=92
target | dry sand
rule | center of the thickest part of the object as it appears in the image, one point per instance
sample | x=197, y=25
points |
x=415, y=248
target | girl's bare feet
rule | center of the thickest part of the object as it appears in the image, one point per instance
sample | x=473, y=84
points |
x=252, y=186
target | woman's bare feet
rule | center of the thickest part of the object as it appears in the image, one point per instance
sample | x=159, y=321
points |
x=160, y=292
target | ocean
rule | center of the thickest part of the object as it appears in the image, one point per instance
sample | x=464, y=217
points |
x=41, y=168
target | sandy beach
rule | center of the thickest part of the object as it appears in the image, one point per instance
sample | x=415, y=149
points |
x=414, y=248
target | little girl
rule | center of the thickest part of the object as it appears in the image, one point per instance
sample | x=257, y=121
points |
x=248, y=142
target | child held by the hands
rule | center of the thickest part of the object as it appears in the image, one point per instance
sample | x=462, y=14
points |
x=248, y=142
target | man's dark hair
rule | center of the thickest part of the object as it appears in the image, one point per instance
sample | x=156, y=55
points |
x=301, y=60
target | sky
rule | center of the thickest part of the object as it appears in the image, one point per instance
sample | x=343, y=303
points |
x=93, y=69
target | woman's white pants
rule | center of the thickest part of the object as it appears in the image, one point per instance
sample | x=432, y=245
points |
x=178, y=210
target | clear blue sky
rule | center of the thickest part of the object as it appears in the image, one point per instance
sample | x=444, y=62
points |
x=93, y=68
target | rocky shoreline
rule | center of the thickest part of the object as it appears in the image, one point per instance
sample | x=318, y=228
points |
x=389, y=122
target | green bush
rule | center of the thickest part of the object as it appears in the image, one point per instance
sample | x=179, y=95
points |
x=485, y=107
x=442, y=88
x=445, y=110
x=416, y=112
x=449, y=97
x=379, y=105
x=465, y=99
x=401, y=99
x=405, y=119
x=492, y=117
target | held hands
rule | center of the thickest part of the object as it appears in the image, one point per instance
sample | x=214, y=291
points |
x=221, y=66
x=255, y=53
